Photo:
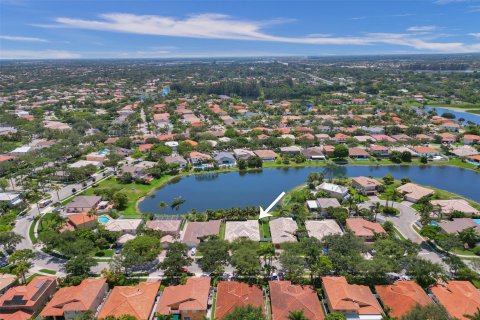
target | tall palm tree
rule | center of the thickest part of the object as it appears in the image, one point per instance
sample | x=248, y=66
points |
x=56, y=188
x=375, y=207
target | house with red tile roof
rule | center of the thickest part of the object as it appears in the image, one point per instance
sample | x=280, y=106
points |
x=364, y=229
x=69, y=302
x=401, y=297
x=145, y=147
x=354, y=301
x=21, y=302
x=233, y=294
x=474, y=159
x=189, y=300
x=286, y=297
x=448, y=138
x=341, y=138
x=379, y=151
x=413, y=192
x=137, y=301
x=460, y=298
x=80, y=221
x=266, y=155
x=365, y=185
x=471, y=139
x=426, y=151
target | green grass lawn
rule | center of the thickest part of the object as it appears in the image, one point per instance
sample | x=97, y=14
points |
x=32, y=277
x=48, y=271
x=134, y=192
x=106, y=253
x=464, y=252
x=222, y=231
x=476, y=283
x=31, y=232
x=264, y=229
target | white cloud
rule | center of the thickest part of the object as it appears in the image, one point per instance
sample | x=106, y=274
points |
x=475, y=34
x=422, y=28
x=22, y=39
x=33, y=54
x=219, y=26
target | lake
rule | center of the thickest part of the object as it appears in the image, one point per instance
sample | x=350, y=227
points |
x=475, y=118
x=235, y=189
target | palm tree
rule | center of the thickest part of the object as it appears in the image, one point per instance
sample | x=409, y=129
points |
x=396, y=195
x=296, y=315
x=56, y=188
x=375, y=207
x=475, y=316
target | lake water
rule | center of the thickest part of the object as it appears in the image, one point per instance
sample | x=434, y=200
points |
x=475, y=118
x=235, y=189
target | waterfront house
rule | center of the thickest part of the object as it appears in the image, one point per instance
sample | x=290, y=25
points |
x=243, y=153
x=194, y=231
x=471, y=139
x=186, y=302
x=266, y=155
x=378, y=151
x=283, y=230
x=225, y=159
x=286, y=297
x=291, y=150
x=242, y=229
x=313, y=153
x=334, y=190
x=413, y=192
x=366, y=186
x=457, y=225
x=198, y=158
x=176, y=159
x=452, y=205
x=71, y=302
x=356, y=302
x=426, y=151
x=358, y=153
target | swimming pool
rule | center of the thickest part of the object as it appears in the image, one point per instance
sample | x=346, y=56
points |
x=477, y=221
x=103, y=219
x=434, y=223
x=103, y=151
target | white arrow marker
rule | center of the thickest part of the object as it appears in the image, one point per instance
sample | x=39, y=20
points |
x=264, y=213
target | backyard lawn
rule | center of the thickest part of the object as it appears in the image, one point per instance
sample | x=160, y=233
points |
x=134, y=192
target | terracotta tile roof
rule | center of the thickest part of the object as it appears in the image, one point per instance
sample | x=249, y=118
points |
x=344, y=296
x=196, y=230
x=145, y=147
x=39, y=285
x=422, y=149
x=366, y=182
x=191, y=296
x=401, y=297
x=458, y=297
x=232, y=294
x=6, y=158
x=75, y=298
x=286, y=297
x=265, y=153
x=18, y=315
x=363, y=228
x=81, y=218
x=136, y=301
x=414, y=191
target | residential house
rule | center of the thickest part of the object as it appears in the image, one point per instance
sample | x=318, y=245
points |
x=198, y=158
x=426, y=151
x=79, y=221
x=358, y=153
x=325, y=203
x=321, y=228
x=6, y=282
x=243, y=153
x=471, y=139
x=291, y=150
x=70, y=302
x=364, y=229
x=313, y=153
x=356, y=302
x=450, y=126
x=124, y=226
x=334, y=190
x=137, y=301
x=83, y=204
x=464, y=151
x=341, y=138
x=364, y=138
x=328, y=150
x=182, y=163
x=457, y=225
x=366, y=186
x=22, y=302
x=283, y=230
x=171, y=227
x=11, y=198
x=401, y=297
x=448, y=138
x=188, y=301
x=474, y=159
x=286, y=297
x=233, y=294
x=194, y=231
x=449, y=206
x=379, y=151
x=413, y=192
x=242, y=229
x=266, y=155
x=460, y=298
x=225, y=159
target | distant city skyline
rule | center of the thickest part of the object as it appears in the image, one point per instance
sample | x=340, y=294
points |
x=181, y=29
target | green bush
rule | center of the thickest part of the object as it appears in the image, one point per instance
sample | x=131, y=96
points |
x=390, y=211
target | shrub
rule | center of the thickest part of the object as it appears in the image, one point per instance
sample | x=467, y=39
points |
x=390, y=211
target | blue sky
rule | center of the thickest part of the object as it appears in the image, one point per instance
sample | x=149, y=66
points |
x=156, y=28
